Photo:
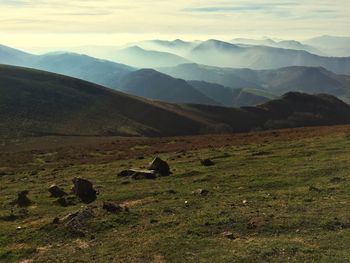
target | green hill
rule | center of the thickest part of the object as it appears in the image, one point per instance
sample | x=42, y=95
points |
x=36, y=103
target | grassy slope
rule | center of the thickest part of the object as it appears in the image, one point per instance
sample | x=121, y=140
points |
x=295, y=183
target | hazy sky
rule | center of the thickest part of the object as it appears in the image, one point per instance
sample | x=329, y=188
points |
x=110, y=22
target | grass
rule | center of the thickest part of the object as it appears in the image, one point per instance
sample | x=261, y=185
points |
x=284, y=201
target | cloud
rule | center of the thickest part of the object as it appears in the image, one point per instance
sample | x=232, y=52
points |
x=231, y=18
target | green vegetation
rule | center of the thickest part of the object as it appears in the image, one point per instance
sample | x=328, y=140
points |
x=283, y=200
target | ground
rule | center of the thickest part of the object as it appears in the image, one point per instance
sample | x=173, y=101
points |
x=284, y=195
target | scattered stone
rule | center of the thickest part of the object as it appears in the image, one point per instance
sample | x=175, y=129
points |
x=56, y=221
x=55, y=191
x=138, y=174
x=112, y=208
x=62, y=201
x=159, y=166
x=144, y=174
x=228, y=235
x=84, y=190
x=201, y=192
x=76, y=222
x=207, y=162
x=22, y=199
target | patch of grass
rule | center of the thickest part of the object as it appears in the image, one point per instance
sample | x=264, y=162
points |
x=287, y=203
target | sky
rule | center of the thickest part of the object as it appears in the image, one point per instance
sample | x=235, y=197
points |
x=61, y=23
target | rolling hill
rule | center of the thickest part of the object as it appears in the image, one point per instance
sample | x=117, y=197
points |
x=151, y=84
x=304, y=79
x=227, y=96
x=36, y=103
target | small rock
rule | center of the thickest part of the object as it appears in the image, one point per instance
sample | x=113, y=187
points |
x=62, y=201
x=228, y=234
x=160, y=167
x=201, y=192
x=138, y=174
x=76, y=222
x=207, y=162
x=144, y=174
x=112, y=208
x=55, y=191
x=22, y=199
x=84, y=190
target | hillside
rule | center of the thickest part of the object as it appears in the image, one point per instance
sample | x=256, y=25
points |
x=227, y=96
x=276, y=196
x=151, y=84
x=39, y=103
x=36, y=103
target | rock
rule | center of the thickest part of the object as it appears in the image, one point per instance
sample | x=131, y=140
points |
x=84, y=190
x=207, y=162
x=62, y=201
x=228, y=234
x=76, y=222
x=112, y=208
x=55, y=191
x=144, y=174
x=22, y=199
x=159, y=166
x=201, y=192
x=138, y=174
x=126, y=173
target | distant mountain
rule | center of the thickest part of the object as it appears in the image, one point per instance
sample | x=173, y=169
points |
x=151, y=84
x=178, y=46
x=138, y=57
x=13, y=56
x=222, y=54
x=227, y=96
x=99, y=71
x=286, y=44
x=37, y=103
x=279, y=81
x=332, y=45
x=222, y=76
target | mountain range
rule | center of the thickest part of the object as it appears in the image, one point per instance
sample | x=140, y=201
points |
x=35, y=103
x=232, y=87
x=274, y=82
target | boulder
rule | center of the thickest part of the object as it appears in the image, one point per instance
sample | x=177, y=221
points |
x=207, y=162
x=138, y=174
x=84, y=190
x=55, y=191
x=159, y=166
x=22, y=199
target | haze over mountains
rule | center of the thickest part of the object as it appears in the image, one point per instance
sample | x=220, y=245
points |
x=244, y=74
